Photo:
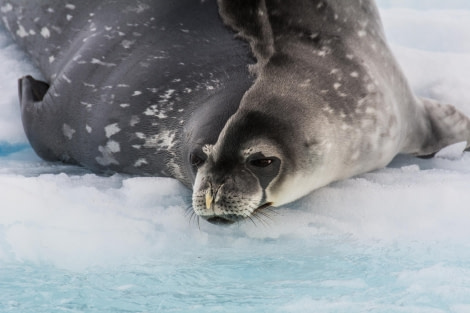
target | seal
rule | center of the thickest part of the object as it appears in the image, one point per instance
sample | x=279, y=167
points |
x=162, y=88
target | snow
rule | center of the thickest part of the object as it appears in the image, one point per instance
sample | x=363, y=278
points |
x=393, y=240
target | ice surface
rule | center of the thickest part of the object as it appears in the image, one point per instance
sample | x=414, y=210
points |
x=394, y=240
x=452, y=152
x=14, y=64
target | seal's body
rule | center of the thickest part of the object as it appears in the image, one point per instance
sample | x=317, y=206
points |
x=162, y=88
x=133, y=86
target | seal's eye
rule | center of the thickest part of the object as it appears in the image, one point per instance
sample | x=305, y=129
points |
x=261, y=162
x=196, y=160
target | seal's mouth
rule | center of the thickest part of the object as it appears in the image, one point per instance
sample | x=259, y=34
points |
x=219, y=220
x=225, y=220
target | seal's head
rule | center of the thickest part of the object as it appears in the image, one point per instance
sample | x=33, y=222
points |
x=261, y=159
x=237, y=176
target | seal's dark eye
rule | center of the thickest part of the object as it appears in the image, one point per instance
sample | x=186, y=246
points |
x=196, y=160
x=261, y=162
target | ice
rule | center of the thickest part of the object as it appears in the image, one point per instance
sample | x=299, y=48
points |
x=452, y=152
x=14, y=64
x=393, y=240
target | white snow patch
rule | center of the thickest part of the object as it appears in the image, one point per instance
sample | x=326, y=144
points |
x=167, y=95
x=140, y=162
x=126, y=44
x=6, y=8
x=45, y=32
x=21, y=31
x=99, y=62
x=108, y=152
x=66, y=78
x=111, y=130
x=68, y=131
x=134, y=120
x=452, y=152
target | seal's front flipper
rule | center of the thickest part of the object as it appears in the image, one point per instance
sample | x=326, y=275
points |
x=250, y=18
x=36, y=119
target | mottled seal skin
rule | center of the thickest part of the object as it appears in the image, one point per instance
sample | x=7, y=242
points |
x=329, y=102
x=134, y=86
x=162, y=88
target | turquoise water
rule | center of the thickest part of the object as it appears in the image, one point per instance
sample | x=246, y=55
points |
x=8, y=148
x=327, y=275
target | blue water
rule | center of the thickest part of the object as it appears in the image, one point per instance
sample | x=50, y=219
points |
x=9, y=148
x=285, y=275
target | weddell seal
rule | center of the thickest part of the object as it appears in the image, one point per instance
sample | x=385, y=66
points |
x=163, y=88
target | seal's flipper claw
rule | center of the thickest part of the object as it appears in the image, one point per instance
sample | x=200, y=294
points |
x=31, y=90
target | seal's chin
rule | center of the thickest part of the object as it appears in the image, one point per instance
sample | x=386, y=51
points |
x=228, y=219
